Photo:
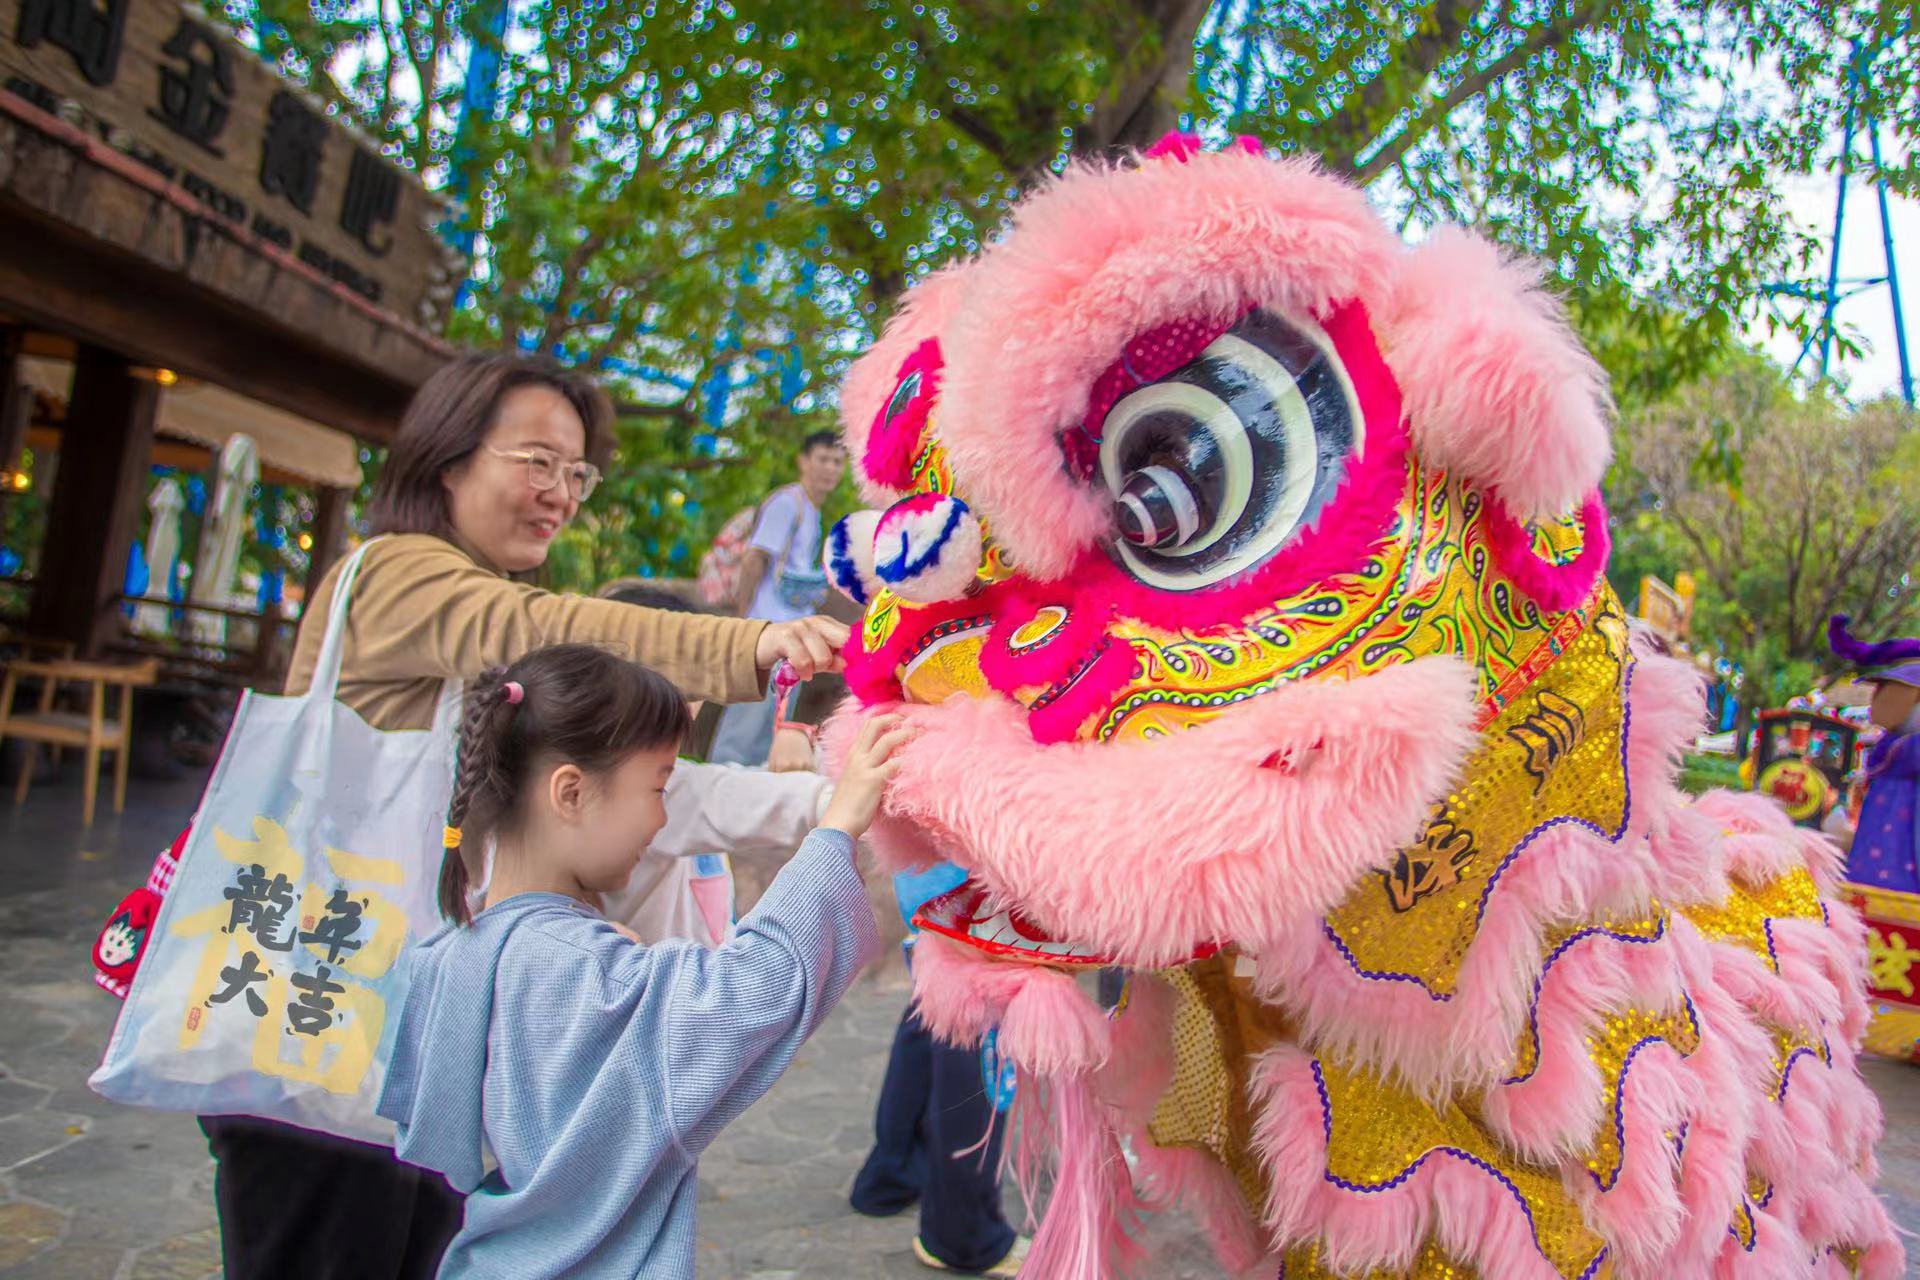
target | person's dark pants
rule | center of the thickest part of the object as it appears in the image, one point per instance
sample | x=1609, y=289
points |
x=933, y=1104
x=296, y=1205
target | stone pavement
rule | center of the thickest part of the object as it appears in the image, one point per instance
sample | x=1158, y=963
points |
x=93, y=1191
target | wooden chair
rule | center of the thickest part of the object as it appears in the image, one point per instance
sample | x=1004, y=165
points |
x=92, y=732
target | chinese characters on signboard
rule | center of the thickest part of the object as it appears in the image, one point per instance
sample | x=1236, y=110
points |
x=188, y=101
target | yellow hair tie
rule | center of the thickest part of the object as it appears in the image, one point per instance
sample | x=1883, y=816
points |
x=450, y=837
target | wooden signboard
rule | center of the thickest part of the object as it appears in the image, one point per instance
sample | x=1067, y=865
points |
x=174, y=90
x=1667, y=611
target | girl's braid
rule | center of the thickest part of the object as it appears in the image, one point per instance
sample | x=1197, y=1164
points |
x=475, y=763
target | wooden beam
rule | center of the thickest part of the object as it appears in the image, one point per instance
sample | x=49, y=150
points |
x=329, y=536
x=181, y=455
x=159, y=319
x=16, y=406
x=97, y=495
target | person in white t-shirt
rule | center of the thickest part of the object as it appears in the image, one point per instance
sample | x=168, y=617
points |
x=683, y=887
x=781, y=579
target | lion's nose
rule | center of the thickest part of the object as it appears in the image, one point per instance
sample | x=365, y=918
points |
x=926, y=548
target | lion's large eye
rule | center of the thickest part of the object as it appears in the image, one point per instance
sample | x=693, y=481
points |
x=1215, y=467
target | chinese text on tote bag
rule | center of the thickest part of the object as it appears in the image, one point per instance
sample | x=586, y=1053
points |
x=272, y=985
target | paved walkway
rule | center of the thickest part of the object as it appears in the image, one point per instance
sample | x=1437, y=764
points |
x=92, y=1191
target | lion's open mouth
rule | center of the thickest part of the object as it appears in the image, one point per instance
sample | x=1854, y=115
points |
x=955, y=914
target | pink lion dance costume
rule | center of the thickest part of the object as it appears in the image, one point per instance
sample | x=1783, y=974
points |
x=1241, y=569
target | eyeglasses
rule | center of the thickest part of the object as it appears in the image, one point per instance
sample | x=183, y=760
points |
x=545, y=467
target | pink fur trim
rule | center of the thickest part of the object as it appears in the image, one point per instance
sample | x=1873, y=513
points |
x=1181, y=147
x=1554, y=1110
x=1142, y=1063
x=1555, y=588
x=1151, y=893
x=1047, y=1025
x=1498, y=388
x=1097, y=257
x=1066, y=712
x=1058, y=1039
x=1051, y=1028
x=1049, y=660
x=896, y=845
x=892, y=446
x=1083, y=1235
x=924, y=312
x=1193, y=1180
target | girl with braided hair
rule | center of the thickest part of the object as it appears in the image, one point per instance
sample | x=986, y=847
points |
x=592, y=1069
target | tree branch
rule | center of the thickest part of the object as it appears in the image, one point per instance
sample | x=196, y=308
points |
x=571, y=270
x=1438, y=107
x=978, y=130
x=676, y=412
x=1143, y=105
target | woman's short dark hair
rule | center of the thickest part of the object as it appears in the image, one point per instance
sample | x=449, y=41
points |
x=448, y=419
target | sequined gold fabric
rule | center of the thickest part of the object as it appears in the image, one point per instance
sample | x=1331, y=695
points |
x=1379, y=1134
x=1743, y=917
x=1307, y=1262
x=1788, y=1045
x=1742, y=1224
x=1611, y=1047
x=1218, y=1029
x=1554, y=753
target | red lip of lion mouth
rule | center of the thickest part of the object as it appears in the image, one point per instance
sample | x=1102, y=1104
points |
x=957, y=914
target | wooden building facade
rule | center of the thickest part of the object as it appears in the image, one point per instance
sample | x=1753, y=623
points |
x=175, y=214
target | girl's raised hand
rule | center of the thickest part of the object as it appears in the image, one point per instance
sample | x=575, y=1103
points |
x=870, y=766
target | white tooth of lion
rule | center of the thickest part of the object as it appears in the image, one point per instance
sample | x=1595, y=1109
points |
x=1056, y=948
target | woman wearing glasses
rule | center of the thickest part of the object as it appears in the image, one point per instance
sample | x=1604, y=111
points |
x=494, y=457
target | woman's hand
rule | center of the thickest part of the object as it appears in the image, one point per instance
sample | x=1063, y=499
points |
x=870, y=766
x=811, y=645
x=792, y=752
